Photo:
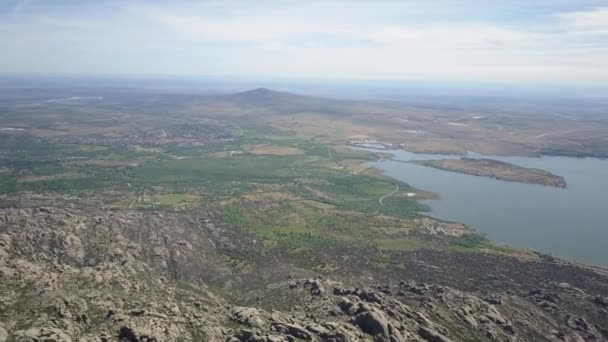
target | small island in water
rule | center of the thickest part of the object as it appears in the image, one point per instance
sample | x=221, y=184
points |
x=498, y=170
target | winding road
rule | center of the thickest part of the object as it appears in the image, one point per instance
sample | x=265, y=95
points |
x=387, y=195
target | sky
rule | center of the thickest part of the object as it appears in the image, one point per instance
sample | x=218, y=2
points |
x=516, y=41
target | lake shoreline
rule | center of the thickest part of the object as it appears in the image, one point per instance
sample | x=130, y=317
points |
x=566, y=223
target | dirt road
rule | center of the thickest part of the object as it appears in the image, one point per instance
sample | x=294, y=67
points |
x=387, y=195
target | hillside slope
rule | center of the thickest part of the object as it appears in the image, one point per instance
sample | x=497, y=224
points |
x=158, y=276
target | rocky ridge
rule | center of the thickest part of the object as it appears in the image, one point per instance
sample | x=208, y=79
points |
x=159, y=276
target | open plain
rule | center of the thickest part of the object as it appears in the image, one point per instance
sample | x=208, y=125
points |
x=244, y=217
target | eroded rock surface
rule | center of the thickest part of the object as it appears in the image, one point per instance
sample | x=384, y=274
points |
x=160, y=276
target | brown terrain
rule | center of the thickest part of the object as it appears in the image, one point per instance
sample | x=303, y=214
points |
x=498, y=170
x=416, y=128
x=422, y=129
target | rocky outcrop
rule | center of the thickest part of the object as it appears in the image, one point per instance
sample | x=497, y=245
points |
x=158, y=276
x=432, y=336
x=251, y=317
x=41, y=334
x=3, y=334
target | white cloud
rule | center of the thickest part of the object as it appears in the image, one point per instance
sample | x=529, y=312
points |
x=270, y=30
x=595, y=20
x=230, y=30
x=454, y=36
x=384, y=39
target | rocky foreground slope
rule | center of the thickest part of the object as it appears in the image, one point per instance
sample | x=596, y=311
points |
x=102, y=275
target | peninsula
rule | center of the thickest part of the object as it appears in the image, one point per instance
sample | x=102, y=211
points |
x=498, y=170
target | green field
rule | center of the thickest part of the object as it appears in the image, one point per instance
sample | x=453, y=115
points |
x=301, y=203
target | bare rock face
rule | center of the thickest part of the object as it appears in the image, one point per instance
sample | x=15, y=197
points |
x=248, y=316
x=292, y=329
x=3, y=334
x=5, y=245
x=601, y=301
x=41, y=334
x=72, y=246
x=375, y=323
x=148, y=276
x=432, y=336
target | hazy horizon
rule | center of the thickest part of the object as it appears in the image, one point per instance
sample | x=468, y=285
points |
x=473, y=42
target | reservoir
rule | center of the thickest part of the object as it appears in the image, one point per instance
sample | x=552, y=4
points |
x=568, y=223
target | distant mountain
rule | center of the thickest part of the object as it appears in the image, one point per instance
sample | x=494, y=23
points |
x=265, y=96
x=284, y=101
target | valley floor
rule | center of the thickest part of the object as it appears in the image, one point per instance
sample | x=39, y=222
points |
x=131, y=224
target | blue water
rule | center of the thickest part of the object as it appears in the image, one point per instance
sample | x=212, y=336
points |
x=569, y=223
